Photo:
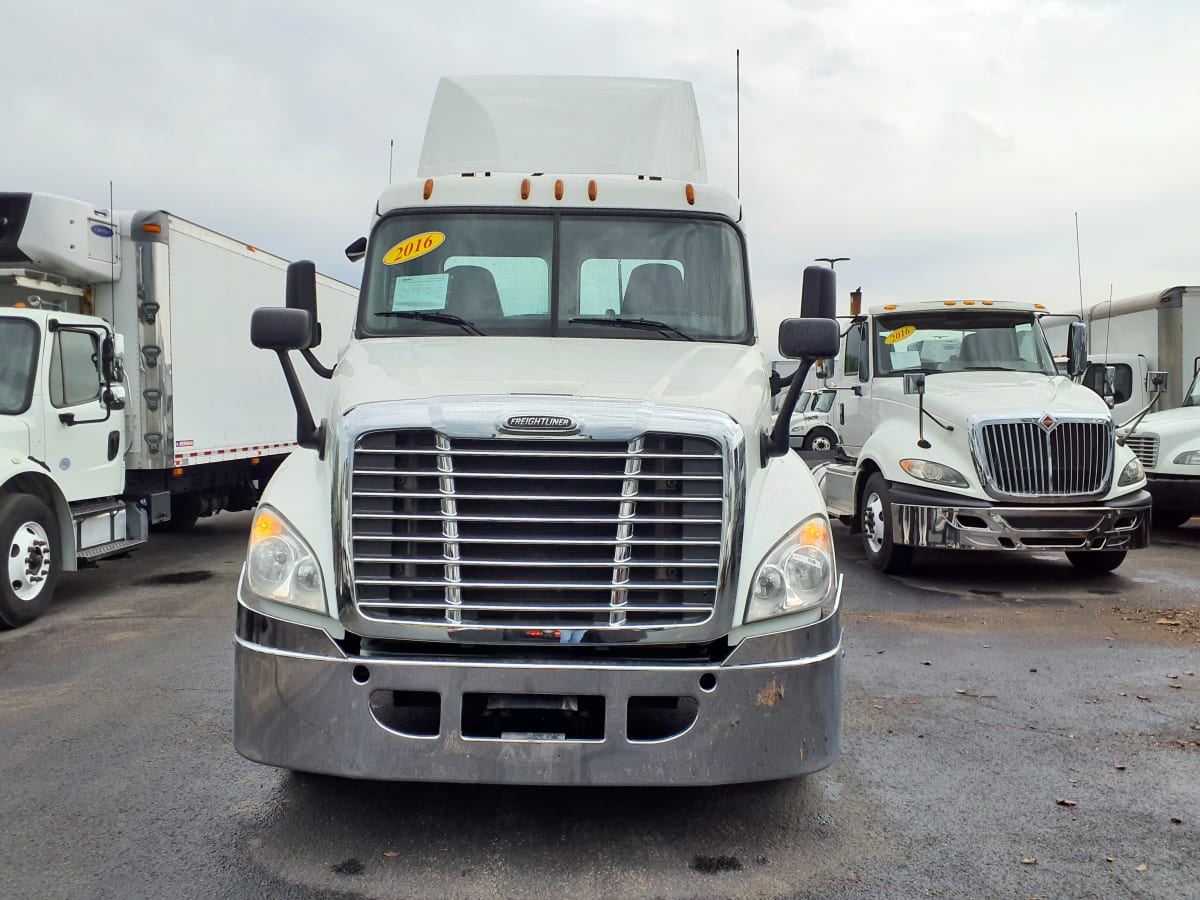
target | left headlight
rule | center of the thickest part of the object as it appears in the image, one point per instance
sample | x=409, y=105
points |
x=280, y=565
x=1132, y=473
x=798, y=574
x=1188, y=458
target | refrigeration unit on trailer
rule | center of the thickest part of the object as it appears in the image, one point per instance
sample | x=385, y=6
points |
x=127, y=394
x=542, y=531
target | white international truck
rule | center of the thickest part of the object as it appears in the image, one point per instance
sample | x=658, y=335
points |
x=127, y=394
x=543, y=532
x=958, y=433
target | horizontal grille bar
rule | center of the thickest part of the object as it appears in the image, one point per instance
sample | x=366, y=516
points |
x=545, y=498
x=534, y=563
x=578, y=476
x=553, y=542
x=529, y=607
x=587, y=520
x=539, y=585
x=542, y=454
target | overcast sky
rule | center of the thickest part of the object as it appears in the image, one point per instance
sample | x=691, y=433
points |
x=944, y=146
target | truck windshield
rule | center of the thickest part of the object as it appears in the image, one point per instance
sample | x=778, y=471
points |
x=1193, y=394
x=597, y=276
x=958, y=342
x=824, y=401
x=18, y=352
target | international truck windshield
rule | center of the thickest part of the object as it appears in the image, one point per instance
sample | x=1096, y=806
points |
x=18, y=350
x=960, y=342
x=593, y=276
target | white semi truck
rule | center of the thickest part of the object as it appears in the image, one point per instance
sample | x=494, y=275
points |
x=543, y=531
x=127, y=395
x=958, y=433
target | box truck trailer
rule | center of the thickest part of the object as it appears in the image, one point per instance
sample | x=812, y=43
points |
x=127, y=395
x=542, y=530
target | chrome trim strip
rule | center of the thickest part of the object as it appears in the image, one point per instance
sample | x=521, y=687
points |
x=542, y=477
x=553, y=585
x=536, y=563
x=553, y=542
x=556, y=454
x=546, y=498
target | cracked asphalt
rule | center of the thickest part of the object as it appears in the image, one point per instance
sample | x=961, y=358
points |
x=1012, y=729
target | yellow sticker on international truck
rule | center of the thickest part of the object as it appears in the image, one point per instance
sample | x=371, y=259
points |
x=412, y=247
x=900, y=334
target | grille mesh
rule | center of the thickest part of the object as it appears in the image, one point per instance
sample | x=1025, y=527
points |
x=1023, y=459
x=534, y=533
x=1145, y=448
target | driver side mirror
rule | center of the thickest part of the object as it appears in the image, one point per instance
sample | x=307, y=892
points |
x=272, y=328
x=1076, y=349
x=813, y=339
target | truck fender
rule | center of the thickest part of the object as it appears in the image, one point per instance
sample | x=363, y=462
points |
x=24, y=476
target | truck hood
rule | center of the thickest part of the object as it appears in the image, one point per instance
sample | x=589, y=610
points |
x=958, y=395
x=731, y=378
x=1172, y=421
x=14, y=437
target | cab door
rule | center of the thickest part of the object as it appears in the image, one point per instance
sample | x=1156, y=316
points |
x=84, y=439
x=850, y=416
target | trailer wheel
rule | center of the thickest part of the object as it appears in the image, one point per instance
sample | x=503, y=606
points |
x=1169, y=518
x=1096, y=561
x=29, y=540
x=875, y=517
x=821, y=440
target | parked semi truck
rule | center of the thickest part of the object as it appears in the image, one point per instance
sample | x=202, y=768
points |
x=127, y=394
x=543, y=530
x=958, y=433
x=1168, y=445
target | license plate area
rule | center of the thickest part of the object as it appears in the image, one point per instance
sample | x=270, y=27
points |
x=533, y=717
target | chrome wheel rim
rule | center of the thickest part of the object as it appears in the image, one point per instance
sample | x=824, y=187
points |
x=822, y=442
x=28, y=561
x=873, y=522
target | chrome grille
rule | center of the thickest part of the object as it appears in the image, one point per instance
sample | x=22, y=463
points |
x=1023, y=459
x=536, y=533
x=1144, y=447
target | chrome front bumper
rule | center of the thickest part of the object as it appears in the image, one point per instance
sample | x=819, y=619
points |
x=772, y=709
x=1124, y=525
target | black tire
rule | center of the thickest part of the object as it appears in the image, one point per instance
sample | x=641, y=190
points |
x=1169, y=518
x=875, y=517
x=820, y=440
x=32, y=558
x=1096, y=562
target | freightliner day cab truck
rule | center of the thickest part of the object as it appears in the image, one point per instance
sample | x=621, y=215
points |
x=127, y=394
x=542, y=531
x=958, y=433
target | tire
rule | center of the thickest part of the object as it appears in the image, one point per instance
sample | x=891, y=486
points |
x=875, y=517
x=1096, y=562
x=821, y=440
x=1169, y=518
x=32, y=559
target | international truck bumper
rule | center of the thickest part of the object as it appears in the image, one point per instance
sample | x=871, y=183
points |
x=1175, y=492
x=771, y=710
x=920, y=521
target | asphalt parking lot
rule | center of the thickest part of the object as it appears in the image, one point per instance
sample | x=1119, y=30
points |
x=1012, y=729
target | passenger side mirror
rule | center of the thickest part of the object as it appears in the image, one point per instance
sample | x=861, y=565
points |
x=914, y=383
x=1076, y=349
x=1156, y=382
x=808, y=338
x=824, y=369
x=272, y=328
x=818, y=294
x=301, y=294
x=1110, y=386
x=357, y=249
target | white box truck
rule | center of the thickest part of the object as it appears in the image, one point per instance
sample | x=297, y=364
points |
x=127, y=394
x=543, y=531
x=958, y=433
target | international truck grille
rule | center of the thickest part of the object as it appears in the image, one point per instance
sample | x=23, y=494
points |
x=536, y=533
x=1029, y=459
x=1145, y=448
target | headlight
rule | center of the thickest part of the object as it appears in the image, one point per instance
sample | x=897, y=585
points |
x=798, y=574
x=1188, y=458
x=279, y=564
x=1132, y=473
x=935, y=472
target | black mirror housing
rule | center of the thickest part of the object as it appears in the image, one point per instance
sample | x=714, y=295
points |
x=301, y=293
x=818, y=295
x=807, y=338
x=357, y=249
x=272, y=328
x=1076, y=349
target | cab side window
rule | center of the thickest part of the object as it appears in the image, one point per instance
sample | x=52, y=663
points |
x=74, y=369
x=855, y=361
x=1122, y=384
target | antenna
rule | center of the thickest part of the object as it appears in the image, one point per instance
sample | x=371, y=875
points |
x=391, y=156
x=1079, y=269
x=114, y=246
x=1108, y=322
x=738, y=128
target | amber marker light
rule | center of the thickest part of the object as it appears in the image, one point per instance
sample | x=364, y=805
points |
x=558, y=189
x=177, y=471
x=1038, y=306
x=968, y=303
x=949, y=302
x=265, y=526
x=255, y=461
x=986, y=302
x=814, y=534
x=152, y=228
x=890, y=306
x=525, y=186
x=592, y=189
x=690, y=193
x=428, y=188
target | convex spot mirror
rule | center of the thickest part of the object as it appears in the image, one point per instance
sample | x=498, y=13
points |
x=914, y=383
x=272, y=328
x=808, y=338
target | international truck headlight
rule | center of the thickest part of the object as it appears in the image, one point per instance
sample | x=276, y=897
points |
x=1133, y=472
x=279, y=564
x=926, y=470
x=798, y=574
x=1188, y=458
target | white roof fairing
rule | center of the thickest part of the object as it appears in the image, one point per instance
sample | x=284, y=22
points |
x=564, y=125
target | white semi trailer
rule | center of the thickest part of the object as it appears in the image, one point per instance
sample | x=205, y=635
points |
x=127, y=394
x=543, y=530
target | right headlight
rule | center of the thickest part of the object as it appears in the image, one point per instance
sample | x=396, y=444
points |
x=280, y=566
x=798, y=574
x=1132, y=473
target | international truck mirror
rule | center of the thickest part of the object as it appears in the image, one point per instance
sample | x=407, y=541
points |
x=301, y=294
x=1110, y=386
x=272, y=328
x=809, y=339
x=914, y=383
x=114, y=397
x=357, y=249
x=1076, y=349
x=818, y=294
x=1156, y=382
x=824, y=368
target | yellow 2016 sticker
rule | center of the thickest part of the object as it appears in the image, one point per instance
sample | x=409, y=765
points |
x=412, y=247
x=900, y=334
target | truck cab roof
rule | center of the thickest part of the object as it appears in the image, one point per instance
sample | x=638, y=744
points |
x=964, y=305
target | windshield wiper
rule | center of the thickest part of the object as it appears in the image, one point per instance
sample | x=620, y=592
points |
x=646, y=324
x=431, y=316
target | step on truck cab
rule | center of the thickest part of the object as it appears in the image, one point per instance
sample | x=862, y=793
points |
x=542, y=531
x=958, y=433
